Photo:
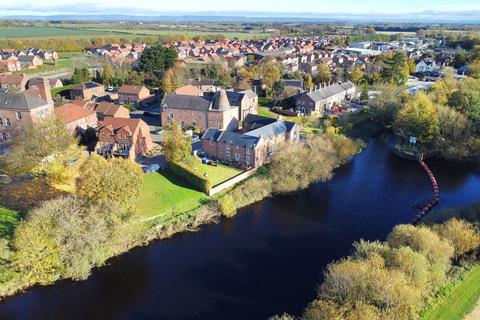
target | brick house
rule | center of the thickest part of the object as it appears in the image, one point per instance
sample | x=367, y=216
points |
x=260, y=139
x=30, y=61
x=76, y=118
x=87, y=91
x=126, y=138
x=13, y=82
x=108, y=109
x=10, y=66
x=224, y=110
x=19, y=110
x=130, y=94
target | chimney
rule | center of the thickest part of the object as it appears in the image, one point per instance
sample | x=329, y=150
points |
x=44, y=88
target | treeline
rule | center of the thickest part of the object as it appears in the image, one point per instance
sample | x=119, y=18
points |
x=395, y=279
x=446, y=120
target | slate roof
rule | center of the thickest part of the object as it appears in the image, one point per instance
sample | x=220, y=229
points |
x=271, y=130
x=324, y=93
x=88, y=85
x=178, y=101
x=234, y=138
x=20, y=101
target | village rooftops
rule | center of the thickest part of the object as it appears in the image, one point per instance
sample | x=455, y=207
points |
x=20, y=101
x=115, y=124
x=271, y=130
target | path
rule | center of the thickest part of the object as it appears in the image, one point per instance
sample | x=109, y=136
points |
x=475, y=314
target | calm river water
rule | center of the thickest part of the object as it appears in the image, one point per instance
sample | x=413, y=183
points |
x=265, y=261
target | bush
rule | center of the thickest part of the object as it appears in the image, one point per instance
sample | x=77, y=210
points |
x=117, y=180
x=187, y=174
x=463, y=236
x=227, y=205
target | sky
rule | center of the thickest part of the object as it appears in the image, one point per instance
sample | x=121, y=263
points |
x=50, y=7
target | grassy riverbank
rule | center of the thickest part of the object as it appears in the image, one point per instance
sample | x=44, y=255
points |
x=459, y=299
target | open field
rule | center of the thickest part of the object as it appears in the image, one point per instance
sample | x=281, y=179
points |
x=44, y=32
x=165, y=193
x=460, y=300
x=91, y=31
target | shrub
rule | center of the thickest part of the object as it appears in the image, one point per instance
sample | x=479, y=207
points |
x=461, y=234
x=227, y=205
x=187, y=174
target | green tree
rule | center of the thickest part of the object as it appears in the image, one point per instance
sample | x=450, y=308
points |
x=39, y=141
x=168, y=82
x=323, y=74
x=357, y=75
x=474, y=69
x=158, y=58
x=227, y=205
x=271, y=74
x=419, y=118
x=118, y=180
x=107, y=74
x=176, y=147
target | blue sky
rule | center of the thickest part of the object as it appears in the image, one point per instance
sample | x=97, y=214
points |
x=288, y=6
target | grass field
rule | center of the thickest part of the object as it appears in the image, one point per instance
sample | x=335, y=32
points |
x=89, y=31
x=40, y=32
x=8, y=221
x=460, y=300
x=218, y=174
x=165, y=193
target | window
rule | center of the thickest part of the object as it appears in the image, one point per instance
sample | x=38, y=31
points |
x=237, y=156
x=170, y=116
x=7, y=122
x=19, y=116
x=1, y=121
x=4, y=136
x=248, y=151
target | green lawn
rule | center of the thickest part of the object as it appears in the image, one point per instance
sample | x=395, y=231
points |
x=460, y=300
x=165, y=193
x=56, y=91
x=218, y=174
x=8, y=221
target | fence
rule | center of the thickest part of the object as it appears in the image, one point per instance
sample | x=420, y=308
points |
x=224, y=185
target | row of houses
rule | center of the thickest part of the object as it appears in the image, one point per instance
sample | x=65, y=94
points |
x=119, y=53
x=12, y=60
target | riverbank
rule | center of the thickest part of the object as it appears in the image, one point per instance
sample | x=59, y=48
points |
x=186, y=210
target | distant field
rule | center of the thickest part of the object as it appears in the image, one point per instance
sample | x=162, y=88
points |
x=397, y=32
x=40, y=32
x=188, y=33
x=84, y=31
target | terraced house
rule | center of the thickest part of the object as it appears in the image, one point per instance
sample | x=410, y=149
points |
x=252, y=147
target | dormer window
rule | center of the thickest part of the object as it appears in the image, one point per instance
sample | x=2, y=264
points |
x=19, y=116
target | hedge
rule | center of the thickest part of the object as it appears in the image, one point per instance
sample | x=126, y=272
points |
x=187, y=174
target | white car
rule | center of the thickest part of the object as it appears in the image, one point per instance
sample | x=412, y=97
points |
x=110, y=89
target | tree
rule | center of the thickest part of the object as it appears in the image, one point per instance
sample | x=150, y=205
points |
x=158, y=58
x=36, y=256
x=411, y=66
x=309, y=85
x=80, y=75
x=167, y=81
x=271, y=74
x=39, y=141
x=107, y=74
x=118, y=180
x=395, y=68
x=418, y=117
x=357, y=75
x=176, y=147
x=227, y=205
x=463, y=236
x=474, y=69
x=323, y=74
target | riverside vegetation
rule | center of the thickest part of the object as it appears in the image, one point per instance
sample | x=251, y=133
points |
x=401, y=278
x=96, y=215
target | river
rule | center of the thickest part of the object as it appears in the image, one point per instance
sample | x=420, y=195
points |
x=265, y=261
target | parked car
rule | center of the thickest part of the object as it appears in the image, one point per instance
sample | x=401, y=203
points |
x=109, y=88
